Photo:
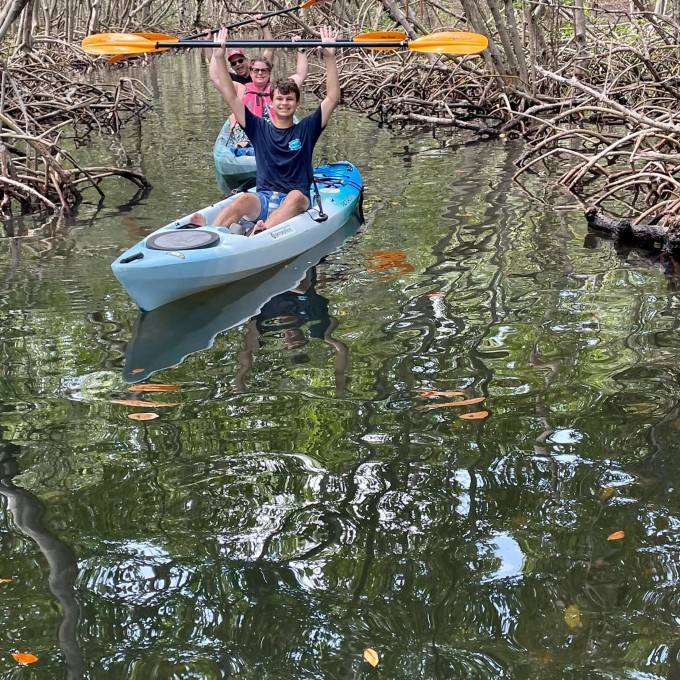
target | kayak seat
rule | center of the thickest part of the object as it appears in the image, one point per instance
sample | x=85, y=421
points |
x=194, y=239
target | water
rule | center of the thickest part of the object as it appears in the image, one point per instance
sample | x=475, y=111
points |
x=304, y=502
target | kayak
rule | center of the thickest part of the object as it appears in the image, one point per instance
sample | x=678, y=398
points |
x=231, y=169
x=180, y=259
x=166, y=336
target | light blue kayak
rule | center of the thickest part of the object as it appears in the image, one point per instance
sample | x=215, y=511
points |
x=178, y=260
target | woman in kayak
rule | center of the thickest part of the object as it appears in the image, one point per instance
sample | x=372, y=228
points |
x=257, y=94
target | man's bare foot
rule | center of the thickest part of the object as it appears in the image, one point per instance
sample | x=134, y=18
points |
x=198, y=219
x=259, y=226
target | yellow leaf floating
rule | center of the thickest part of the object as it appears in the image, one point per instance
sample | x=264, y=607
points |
x=141, y=403
x=616, y=536
x=5, y=580
x=23, y=658
x=572, y=616
x=477, y=415
x=153, y=387
x=462, y=402
x=142, y=416
x=607, y=493
x=371, y=656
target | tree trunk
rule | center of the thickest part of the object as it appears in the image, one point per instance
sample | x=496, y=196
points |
x=10, y=14
x=93, y=21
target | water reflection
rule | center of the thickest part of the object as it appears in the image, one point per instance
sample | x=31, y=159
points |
x=164, y=337
x=279, y=531
x=28, y=517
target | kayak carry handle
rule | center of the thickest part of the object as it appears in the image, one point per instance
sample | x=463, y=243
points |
x=132, y=258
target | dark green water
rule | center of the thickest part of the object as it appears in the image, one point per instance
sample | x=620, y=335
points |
x=300, y=504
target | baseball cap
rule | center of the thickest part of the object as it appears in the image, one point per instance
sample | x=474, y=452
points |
x=237, y=51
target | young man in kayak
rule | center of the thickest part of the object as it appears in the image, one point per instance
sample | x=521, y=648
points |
x=284, y=150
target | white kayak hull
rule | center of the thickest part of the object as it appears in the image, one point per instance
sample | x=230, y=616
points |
x=155, y=276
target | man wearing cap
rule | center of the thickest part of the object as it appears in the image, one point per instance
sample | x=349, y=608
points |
x=240, y=64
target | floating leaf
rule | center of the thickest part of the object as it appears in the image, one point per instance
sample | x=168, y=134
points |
x=142, y=416
x=5, y=580
x=138, y=370
x=389, y=259
x=24, y=658
x=371, y=656
x=572, y=616
x=463, y=402
x=139, y=402
x=616, y=536
x=435, y=295
x=434, y=393
x=153, y=387
x=477, y=415
x=607, y=493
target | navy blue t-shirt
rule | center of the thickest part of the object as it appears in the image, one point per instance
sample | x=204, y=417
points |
x=284, y=155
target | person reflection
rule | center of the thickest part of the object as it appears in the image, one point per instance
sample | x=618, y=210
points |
x=297, y=315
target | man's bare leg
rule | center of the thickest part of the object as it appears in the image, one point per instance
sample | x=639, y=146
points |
x=293, y=204
x=244, y=205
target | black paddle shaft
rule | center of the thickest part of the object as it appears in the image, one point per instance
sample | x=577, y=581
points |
x=389, y=44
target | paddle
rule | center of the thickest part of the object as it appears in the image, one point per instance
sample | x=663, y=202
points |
x=438, y=43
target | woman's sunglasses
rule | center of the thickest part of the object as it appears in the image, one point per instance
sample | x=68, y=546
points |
x=259, y=70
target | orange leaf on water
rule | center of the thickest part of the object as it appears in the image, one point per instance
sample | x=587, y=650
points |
x=140, y=402
x=463, y=402
x=153, y=387
x=371, y=656
x=434, y=393
x=142, y=416
x=477, y=415
x=5, y=580
x=21, y=657
x=616, y=536
x=389, y=259
x=138, y=370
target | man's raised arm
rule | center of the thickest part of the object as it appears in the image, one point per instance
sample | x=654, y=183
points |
x=332, y=99
x=219, y=74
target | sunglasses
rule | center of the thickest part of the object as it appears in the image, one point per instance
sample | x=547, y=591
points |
x=235, y=62
x=259, y=70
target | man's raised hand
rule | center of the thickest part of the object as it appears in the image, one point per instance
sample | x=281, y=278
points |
x=328, y=35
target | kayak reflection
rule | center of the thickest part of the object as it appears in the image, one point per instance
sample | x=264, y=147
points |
x=165, y=336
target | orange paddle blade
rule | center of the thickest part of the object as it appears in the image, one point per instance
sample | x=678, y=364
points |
x=450, y=42
x=375, y=36
x=124, y=43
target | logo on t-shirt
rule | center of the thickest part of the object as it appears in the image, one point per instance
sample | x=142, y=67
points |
x=295, y=145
